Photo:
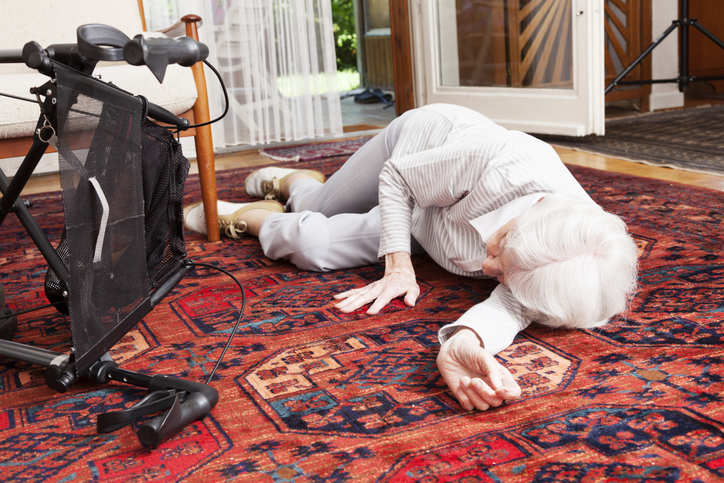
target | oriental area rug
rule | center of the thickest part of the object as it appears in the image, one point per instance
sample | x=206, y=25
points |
x=308, y=394
x=691, y=139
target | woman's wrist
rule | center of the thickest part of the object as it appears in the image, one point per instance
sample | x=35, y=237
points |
x=468, y=333
x=400, y=262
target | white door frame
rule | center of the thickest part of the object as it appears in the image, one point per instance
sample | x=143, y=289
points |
x=574, y=112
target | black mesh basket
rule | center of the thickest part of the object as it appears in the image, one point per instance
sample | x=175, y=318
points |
x=122, y=183
x=164, y=174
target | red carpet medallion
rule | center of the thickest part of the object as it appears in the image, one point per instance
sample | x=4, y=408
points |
x=312, y=395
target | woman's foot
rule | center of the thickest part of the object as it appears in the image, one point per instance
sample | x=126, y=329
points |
x=231, y=221
x=268, y=183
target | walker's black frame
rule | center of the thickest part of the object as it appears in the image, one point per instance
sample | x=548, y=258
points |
x=187, y=400
x=684, y=79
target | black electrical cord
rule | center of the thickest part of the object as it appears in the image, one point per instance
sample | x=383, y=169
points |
x=238, y=320
x=193, y=264
x=226, y=99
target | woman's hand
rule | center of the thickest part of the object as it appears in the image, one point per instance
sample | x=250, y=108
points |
x=399, y=280
x=473, y=375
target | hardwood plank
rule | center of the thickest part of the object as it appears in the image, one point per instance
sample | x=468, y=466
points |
x=251, y=157
x=41, y=184
x=360, y=127
x=596, y=161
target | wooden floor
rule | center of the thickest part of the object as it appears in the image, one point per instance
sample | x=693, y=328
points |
x=638, y=169
x=253, y=158
x=567, y=155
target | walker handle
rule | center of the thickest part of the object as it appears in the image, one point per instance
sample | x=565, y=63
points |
x=154, y=432
x=199, y=402
x=11, y=56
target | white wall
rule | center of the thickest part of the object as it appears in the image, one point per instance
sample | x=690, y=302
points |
x=449, y=57
x=665, y=56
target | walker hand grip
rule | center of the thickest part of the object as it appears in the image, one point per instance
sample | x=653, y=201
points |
x=198, y=404
x=158, y=53
x=154, y=432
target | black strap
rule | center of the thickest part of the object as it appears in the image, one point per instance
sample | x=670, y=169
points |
x=152, y=403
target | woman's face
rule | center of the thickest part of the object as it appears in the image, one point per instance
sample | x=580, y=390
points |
x=496, y=264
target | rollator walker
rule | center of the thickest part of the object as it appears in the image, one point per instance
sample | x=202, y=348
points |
x=122, y=249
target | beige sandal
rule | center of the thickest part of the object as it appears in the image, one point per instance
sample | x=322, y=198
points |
x=195, y=219
x=267, y=182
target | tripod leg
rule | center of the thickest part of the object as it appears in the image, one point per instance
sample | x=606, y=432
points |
x=706, y=32
x=714, y=39
x=641, y=57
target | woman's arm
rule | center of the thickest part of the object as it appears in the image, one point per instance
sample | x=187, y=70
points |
x=473, y=375
x=466, y=359
x=496, y=320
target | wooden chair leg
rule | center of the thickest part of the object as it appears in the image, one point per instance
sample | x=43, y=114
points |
x=203, y=140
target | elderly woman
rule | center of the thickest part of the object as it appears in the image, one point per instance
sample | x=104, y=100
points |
x=483, y=202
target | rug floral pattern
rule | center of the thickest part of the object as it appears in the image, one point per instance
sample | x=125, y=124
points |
x=309, y=394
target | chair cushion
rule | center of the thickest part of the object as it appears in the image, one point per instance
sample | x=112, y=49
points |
x=19, y=118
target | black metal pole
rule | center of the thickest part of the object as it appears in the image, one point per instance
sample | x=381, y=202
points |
x=11, y=192
x=684, y=46
x=129, y=377
x=706, y=32
x=11, y=56
x=32, y=355
x=31, y=226
x=684, y=79
x=641, y=57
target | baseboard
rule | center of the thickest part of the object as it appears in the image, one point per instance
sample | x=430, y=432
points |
x=666, y=100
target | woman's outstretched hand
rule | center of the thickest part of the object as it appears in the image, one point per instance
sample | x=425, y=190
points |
x=476, y=379
x=399, y=280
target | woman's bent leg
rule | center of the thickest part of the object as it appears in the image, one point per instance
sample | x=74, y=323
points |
x=312, y=241
x=353, y=188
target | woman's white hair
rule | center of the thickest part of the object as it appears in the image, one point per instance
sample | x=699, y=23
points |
x=572, y=264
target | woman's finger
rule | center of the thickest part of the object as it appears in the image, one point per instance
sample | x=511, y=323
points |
x=379, y=304
x=510, y=389
x=351, y=304
x=358, y=297
x=479, y=394
x=411, y=297
x=487, y=393
x=494, y=375
x=354, y=291
x=346, y=294
x=462, y=397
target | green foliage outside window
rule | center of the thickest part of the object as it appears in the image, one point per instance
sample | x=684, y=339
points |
x=345, y=38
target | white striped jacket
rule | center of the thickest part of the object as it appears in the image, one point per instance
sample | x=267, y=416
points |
x=450, y=166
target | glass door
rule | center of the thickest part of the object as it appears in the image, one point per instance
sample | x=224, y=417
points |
x=531, y=65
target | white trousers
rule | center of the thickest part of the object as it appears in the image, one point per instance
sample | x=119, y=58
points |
x=334, y=225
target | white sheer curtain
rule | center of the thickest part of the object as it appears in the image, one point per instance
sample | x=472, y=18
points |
x=278, y=63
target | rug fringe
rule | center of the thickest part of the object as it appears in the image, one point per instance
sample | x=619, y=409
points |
x=279, y=158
